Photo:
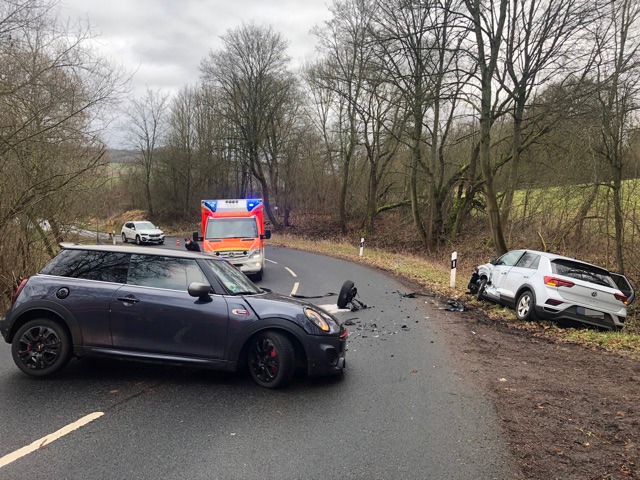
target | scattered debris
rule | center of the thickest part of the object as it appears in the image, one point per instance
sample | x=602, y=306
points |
x=414, y=294
x=455, y=306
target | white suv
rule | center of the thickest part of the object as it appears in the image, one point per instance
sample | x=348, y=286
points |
x=545, y=285
x=142, y=232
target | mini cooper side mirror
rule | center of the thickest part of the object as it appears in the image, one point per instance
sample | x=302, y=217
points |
x=200, y=290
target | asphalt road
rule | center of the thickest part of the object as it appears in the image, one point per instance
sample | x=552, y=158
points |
x=400, y=411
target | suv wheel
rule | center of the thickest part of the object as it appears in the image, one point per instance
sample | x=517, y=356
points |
x=124, y=238
x=138, y=242
x=41, y=347
x=271, y=359
x=525, y=306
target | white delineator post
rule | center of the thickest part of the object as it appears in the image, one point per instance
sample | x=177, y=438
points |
x=454, y=261
x=362, y=246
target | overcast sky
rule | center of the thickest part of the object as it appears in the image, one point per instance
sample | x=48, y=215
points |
x=165, y=40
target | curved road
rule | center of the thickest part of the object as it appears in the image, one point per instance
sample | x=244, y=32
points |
x=400, y=410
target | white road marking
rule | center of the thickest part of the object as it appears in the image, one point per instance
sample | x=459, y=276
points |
x=295, y=288
x=11, y=457
x=271, y=261
x=293, y=274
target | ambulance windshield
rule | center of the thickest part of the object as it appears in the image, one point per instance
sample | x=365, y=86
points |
x=231, y=228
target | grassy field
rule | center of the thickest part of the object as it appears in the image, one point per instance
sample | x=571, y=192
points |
x=434, y=278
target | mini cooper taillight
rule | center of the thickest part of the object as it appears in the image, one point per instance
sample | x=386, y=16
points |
x=20, y=287
x=557, y=282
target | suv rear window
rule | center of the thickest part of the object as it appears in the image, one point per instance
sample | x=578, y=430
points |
x=583, y=271
x=90, y=265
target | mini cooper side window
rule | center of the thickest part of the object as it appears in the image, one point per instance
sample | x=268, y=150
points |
x=164, y=272
x=90, y=265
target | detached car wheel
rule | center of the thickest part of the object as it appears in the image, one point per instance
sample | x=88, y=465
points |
x=347, y=293
x=41, y=347
x=271, y=359
x=525, y=306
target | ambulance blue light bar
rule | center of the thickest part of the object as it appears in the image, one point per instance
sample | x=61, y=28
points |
x=211, y=205
x=251, y=204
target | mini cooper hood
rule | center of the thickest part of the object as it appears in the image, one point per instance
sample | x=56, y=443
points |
x=268, y=304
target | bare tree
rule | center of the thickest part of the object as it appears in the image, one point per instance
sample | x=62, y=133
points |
x=54, y=91
x=147, y=126
x=488, y=21
x=250, y=73
x=543, y=42
x=617, y=74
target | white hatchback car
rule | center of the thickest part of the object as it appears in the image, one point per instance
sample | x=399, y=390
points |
x=545, y=285
x=142, y=232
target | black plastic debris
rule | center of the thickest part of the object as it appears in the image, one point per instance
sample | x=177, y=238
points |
x=350, y=322
x=405, y=328
x=474, y=283
x=455, y=306
x=414, y=294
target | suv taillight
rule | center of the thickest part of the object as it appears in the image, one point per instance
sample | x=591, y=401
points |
x=621, y=297
x=20, y=287
x=557, y=282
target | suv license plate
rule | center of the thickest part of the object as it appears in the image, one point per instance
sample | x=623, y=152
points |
x=589, y=313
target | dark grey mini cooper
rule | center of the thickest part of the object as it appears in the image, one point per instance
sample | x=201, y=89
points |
x=166, y=305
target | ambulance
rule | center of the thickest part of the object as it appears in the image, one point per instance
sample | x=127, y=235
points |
x=234, y=229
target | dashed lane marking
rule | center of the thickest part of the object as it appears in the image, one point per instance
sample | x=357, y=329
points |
x=295, y=288
x=293, y=274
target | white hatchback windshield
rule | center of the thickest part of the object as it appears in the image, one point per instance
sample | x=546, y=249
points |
x=145, y=226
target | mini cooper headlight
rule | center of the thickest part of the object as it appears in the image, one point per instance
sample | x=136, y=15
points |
x=317, y=319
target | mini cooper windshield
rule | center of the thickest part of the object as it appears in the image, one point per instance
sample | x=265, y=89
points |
x=233, y=279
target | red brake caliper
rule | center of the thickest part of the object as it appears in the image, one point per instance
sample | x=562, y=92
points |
x=272, y=368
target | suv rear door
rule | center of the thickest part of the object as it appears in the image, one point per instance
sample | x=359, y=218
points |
x=592, y=287
x=624, y=285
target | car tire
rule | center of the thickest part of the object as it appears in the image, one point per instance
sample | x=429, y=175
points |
x=482, y=284
x=258, y=276
x=161, y=242
x=271, y=359
x=124, y=238
x=41, y=347
x=346, y=294
x=525, y=306
x=138, y=241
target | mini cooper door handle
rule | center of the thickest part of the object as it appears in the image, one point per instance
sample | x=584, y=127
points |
x=129, y=299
